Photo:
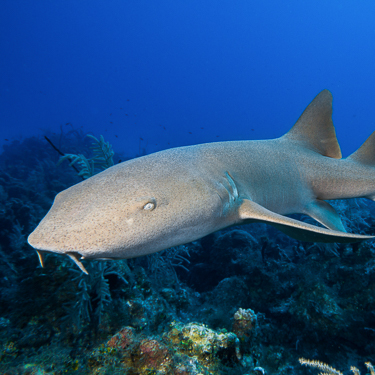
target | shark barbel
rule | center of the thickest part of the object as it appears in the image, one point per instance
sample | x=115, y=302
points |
x=181, y=194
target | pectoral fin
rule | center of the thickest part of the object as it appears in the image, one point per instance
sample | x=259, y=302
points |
x=252, y=212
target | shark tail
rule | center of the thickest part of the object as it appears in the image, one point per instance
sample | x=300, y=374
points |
x=365, y=157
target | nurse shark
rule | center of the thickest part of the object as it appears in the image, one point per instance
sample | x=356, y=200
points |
x=179, y=195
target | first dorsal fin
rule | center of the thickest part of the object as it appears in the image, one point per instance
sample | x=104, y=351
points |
x=314, y=129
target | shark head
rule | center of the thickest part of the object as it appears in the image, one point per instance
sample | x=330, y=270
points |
x=132, y=209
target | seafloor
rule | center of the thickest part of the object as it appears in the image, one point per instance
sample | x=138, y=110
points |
x=247, y=300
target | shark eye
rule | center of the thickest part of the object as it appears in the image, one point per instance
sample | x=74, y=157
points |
x=149, y=206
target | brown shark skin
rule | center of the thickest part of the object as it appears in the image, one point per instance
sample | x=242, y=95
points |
x=196, y=190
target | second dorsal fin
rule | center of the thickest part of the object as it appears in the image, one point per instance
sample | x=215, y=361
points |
x=365, y=155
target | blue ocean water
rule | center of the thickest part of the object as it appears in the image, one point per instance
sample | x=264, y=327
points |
x=175, y=73
x=149, y=76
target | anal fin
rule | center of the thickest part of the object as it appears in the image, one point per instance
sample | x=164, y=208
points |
x=252, y=212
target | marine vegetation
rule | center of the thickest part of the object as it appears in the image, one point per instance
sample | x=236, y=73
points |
x=102, y=158
x=326, y=369
x=245, y=300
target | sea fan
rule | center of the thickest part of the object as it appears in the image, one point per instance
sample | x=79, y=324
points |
x=87, y=167
x=102, y=158
x=103, y=152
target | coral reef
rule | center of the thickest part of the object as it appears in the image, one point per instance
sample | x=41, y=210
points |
x=184, y=348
